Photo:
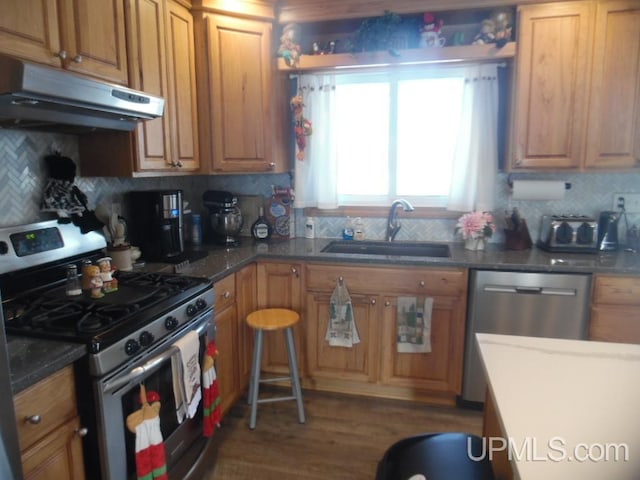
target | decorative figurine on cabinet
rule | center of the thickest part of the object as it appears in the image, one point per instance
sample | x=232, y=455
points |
x=430, y=32
x=503, y=26
x=289, y=49
x=487, y=33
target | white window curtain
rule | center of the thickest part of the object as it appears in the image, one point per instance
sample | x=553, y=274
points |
x=476, y=160
x=475, y=164
x=316, y=175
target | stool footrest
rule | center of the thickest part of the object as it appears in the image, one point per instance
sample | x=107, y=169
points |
x=274, y=379
x=275, y=399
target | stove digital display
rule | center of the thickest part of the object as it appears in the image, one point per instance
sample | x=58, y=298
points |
x=36, y=241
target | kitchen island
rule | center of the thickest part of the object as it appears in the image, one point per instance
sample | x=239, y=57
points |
x=564, y=409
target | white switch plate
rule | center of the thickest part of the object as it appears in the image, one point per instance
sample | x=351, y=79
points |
x=631, y=202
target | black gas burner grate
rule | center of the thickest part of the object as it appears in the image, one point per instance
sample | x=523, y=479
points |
x=52, y=312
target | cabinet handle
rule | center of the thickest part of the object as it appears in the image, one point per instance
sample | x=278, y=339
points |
x=294, y=270
x=62, y=55
x=422, y=284
x=82, y=432
x=226, y=294
x=77, y=59
x=387, y=303
x=34, y=419
x=373, y=301
x=272, y=165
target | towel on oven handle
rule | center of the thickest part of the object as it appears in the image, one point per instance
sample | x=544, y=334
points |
x=185, y=370
x=211, y=391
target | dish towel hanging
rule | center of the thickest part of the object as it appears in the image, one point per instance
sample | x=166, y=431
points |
x=150, y=451
x=211, y=391
x=341, y=330
x=185, y=370
x=414, y=325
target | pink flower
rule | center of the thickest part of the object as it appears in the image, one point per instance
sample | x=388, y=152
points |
x=476, y=225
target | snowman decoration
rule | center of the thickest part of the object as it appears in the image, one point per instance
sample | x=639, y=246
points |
x=430, y=32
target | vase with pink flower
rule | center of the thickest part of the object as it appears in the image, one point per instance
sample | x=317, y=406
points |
x=476, y=227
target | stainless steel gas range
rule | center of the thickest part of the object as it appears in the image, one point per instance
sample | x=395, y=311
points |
x=129, y=334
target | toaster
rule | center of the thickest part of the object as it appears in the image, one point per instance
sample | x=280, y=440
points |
x=568, y=233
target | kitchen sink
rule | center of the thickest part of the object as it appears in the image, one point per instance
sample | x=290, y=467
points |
x=411, y=249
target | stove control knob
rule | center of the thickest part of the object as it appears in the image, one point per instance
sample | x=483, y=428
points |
x=146, y=339
x=131, y=347
x=201, y=304
x=170, y=323
x=191, y=310
x=4, y=248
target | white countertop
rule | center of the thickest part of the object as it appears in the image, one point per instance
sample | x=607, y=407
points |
x=567, y=407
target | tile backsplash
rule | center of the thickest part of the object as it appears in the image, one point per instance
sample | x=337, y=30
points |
x=23, y=176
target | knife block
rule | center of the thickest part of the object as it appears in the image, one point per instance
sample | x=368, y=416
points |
x=518, y=239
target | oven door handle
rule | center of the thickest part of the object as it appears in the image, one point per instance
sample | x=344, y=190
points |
x=147, y=367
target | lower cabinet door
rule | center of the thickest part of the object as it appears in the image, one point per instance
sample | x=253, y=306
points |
x=226, y=361
x=440, y=369
x=356, y=363
x=58, y=455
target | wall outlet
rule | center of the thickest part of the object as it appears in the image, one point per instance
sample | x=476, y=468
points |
x=631, y=202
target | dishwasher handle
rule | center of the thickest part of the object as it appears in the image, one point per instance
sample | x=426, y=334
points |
x=520, y=290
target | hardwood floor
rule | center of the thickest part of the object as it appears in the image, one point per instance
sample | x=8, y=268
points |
x=343, y=439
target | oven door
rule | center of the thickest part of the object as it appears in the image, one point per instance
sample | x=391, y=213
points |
x=117, y=396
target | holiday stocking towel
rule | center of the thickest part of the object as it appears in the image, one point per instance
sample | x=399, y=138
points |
x=211, y=395
x=145, y=423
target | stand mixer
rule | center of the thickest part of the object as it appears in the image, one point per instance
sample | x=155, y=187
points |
x=225, y=218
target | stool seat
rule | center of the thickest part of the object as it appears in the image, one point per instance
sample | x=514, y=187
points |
x=273, y=318
x=436, y=456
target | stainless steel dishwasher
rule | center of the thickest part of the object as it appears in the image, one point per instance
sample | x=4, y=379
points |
x=521, y=303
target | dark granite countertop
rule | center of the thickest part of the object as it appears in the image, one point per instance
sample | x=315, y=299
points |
x=220, y=262
x=33, y=359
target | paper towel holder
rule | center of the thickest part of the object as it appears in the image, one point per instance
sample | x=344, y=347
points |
x=567, y=185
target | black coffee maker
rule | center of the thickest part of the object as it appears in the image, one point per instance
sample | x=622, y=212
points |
x=157, y=225
x=608, y=231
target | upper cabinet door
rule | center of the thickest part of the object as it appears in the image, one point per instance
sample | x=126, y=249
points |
x=92, y=35
x=147, y=67
x=614, y=108
x=181, y=99
x=238, y=53
x=553, y=55
x=29, y=29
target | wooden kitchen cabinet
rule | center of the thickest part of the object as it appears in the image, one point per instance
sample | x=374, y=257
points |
x=614, y=103
x=374, y=367
x=241, y=114
x=246, y=299
x=161, y=62
x=235, y=299
x=551, y=86
x=577, y=96
x=615, y=309
x=226, y=313
x=279, y=285
x=83, y=36
x=49, y=430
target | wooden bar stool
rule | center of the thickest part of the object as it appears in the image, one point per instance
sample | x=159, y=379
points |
x=273, y=319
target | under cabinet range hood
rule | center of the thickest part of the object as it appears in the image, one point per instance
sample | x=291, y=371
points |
x=38, y=97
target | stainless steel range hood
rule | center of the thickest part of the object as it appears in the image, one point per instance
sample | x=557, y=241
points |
x=37, y=97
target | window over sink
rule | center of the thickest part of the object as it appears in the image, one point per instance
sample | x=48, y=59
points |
x=426, y=133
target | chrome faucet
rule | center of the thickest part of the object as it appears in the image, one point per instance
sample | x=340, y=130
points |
x=393, y=224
